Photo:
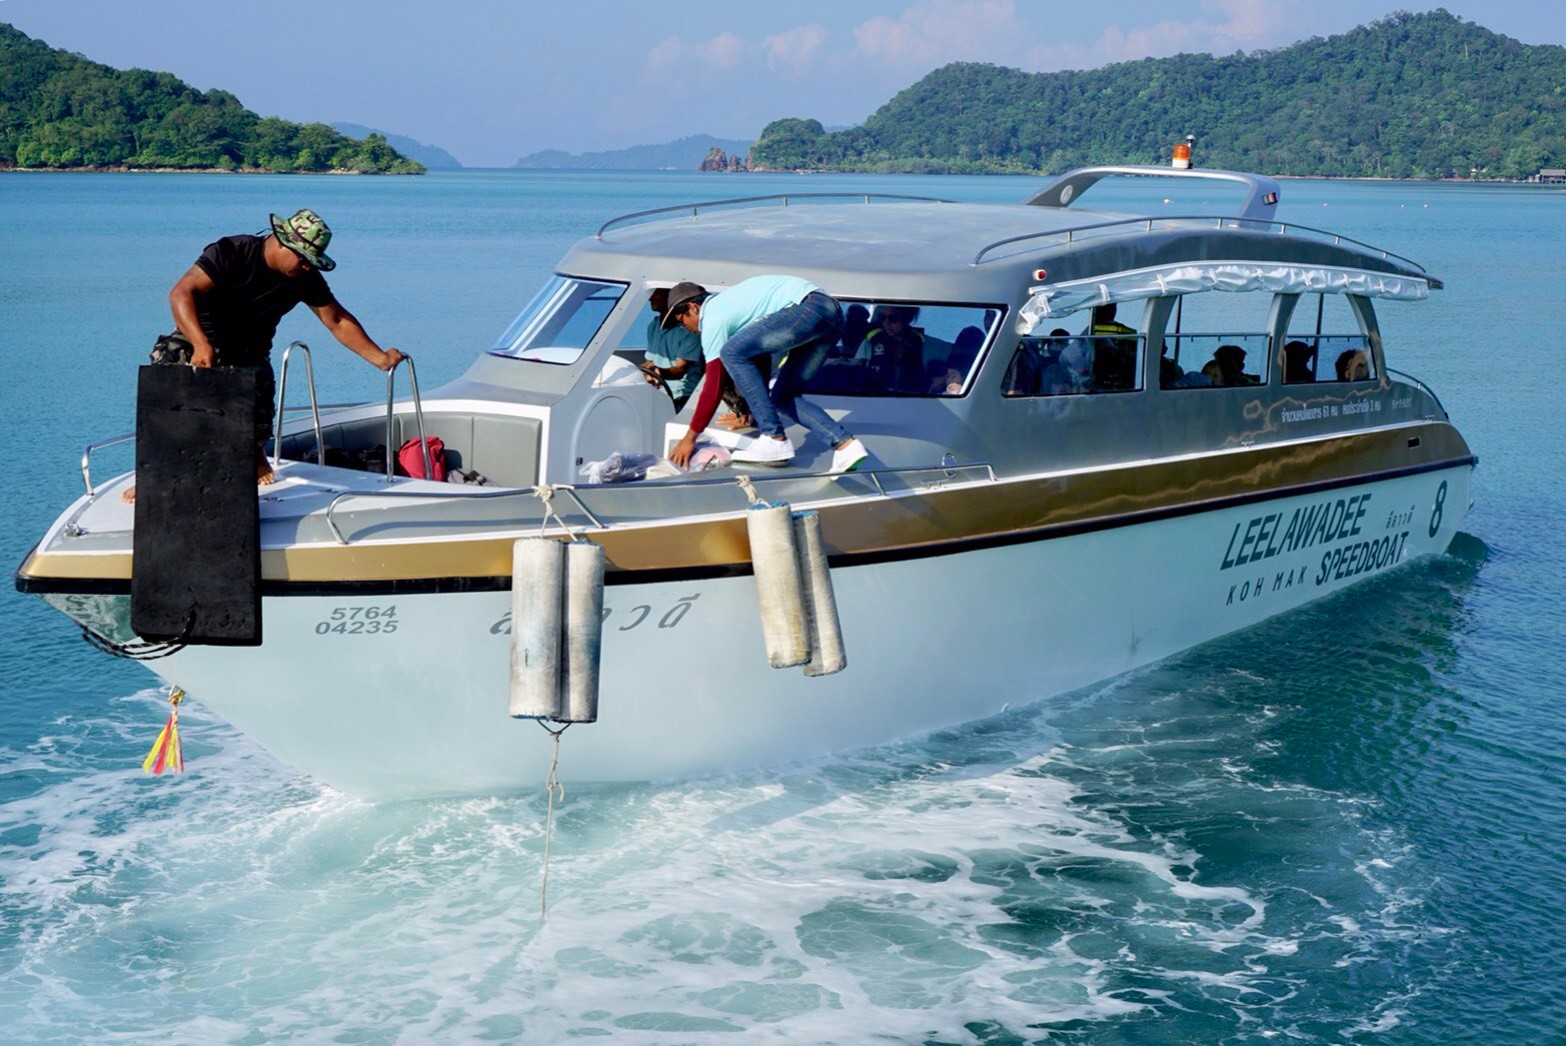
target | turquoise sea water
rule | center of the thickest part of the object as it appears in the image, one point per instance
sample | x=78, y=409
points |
x=1344, y=825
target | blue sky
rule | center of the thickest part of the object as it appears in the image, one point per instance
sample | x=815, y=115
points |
x=491, y=80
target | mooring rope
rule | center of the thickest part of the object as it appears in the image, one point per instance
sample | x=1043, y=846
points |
x=553, y=787
x=546, y=494
x=750, y=490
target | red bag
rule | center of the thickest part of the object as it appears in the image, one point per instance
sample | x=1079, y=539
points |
x=410, y=459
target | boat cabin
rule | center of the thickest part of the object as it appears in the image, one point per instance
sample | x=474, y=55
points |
x=1030, y=336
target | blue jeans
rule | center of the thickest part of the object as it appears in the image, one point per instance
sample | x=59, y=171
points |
x=803, y=331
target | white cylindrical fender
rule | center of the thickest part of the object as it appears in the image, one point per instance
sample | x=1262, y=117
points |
x=826, y=634
x=778, y=588
x=584, y=630
x=537, y=605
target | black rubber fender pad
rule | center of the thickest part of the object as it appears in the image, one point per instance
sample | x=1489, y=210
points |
x=196, y=568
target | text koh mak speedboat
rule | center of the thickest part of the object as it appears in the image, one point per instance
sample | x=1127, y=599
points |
x=1053, y=496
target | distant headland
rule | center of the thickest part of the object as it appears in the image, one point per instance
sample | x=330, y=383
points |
x=63, y=112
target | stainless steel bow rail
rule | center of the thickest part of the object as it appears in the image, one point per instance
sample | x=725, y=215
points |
x=87, y=457
x=418, y=412
x=947, y=469
x=315, y=408
x=391, y=420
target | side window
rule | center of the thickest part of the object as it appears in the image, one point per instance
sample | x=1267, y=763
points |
x=1105, y=357
x=902, y=349
x=1325, y=343
x=1216, y=340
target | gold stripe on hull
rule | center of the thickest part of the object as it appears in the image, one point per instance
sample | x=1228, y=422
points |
x=922, y=520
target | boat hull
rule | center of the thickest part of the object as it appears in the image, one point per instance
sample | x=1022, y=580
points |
x=390, y=696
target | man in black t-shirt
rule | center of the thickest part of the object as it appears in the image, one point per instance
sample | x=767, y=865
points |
x=229, y=303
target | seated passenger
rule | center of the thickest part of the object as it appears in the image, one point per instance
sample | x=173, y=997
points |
x=1114, y=350
x=1231, y=367
x=946, y=376
x=1353, y=365
x=969, y=341
x=1022, y=376
x=1034, y=357
x=893, y=349
x=1299, y=363
x=1104, y=322
x=856, y=324
x=674, y=358
x=1173, y=376
x=1073, y=371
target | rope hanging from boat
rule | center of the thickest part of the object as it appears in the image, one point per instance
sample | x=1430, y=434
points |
x=141, y=650
x=546, y=494
x=750, y=490
x=553, y=787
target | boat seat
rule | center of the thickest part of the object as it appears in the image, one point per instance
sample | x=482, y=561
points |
x=504, y=450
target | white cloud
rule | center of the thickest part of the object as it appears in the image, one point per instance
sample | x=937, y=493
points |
x=933, y=32
x=722, y=52
x=1239, y=25
x=796, y=49
x=1252, y=23
x=930, y=33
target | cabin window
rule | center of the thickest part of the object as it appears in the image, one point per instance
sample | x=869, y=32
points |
x=560, y=321
x=1073, y=365
x=1325, y=343
x=902, y=349
x=1105, y=357
x=1216, y=341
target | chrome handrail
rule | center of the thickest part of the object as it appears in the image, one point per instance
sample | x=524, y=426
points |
x=1069, y=234
x=694, y=208
x=327, y=406
x=315, y=407
x=1421, y=386
x=87, y=456
x=418, y=411
x=949, y=469
x=485, y=495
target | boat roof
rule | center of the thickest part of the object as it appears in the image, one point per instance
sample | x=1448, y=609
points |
x=888, y=246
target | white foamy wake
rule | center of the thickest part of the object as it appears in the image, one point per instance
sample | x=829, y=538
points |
x=934, y=889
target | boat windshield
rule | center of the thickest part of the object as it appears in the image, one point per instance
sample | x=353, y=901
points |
x=559, y=322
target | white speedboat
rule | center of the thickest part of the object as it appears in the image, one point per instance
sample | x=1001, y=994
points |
x=1054, y=496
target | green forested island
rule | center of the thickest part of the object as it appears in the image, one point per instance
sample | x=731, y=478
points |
x=1409, y=96
x=59, y=110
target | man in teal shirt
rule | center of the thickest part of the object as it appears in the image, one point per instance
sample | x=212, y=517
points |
x=673, y=357
x=769, y=315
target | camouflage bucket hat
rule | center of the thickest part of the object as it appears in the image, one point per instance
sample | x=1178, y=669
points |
x=307, y=236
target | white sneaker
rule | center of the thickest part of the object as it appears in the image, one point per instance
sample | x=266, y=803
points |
x=849, y=457
x=766, y=450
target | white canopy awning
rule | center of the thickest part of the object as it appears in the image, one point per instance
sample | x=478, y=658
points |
x=1189, y=277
